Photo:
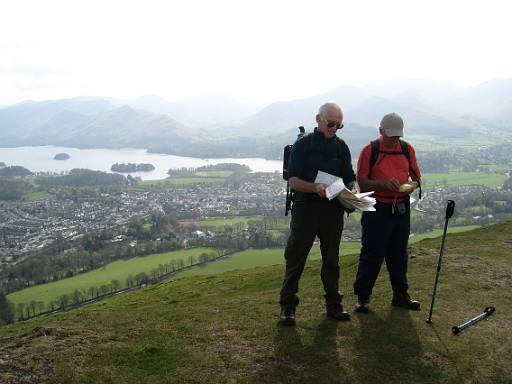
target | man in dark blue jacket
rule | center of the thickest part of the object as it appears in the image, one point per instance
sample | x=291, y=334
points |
x=313, y=214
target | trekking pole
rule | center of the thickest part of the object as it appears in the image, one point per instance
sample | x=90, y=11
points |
x=450, y=207
x=486, y=313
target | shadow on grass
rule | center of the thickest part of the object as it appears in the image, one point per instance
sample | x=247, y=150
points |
x=389, y=350
x=297, y=361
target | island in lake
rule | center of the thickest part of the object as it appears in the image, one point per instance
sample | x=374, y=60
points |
x=132, y=167
x=61, y=156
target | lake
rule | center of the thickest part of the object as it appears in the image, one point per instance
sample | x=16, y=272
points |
x=40, y=159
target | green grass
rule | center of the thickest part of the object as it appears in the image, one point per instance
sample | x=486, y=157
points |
x=438, y=232
x=221, y=222
x=181, y=181
x=241, y=260
x=36, y=195
x=118, y=270
x=262, y=257
x=492, y=180
x=222, y=328
x=215, y=174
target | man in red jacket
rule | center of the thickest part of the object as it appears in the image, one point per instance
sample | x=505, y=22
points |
x=393, y=175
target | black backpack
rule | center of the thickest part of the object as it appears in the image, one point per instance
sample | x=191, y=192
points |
x=288, y=149
x=308, y=143
x=403, y=146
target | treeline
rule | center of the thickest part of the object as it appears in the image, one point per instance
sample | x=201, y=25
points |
x=14, y=171
x=132, y=167
x=24, y=311
x=191, y=171
x=81, y=178
x=233, y=167
x=6, y=310
x=14, y=189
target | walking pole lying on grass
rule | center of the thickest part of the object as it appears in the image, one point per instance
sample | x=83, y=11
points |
x=450, y=207
x=486, y=313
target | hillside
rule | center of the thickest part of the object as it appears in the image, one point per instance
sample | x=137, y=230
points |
x=88, y=123
x=216, y=126
x=222, y=328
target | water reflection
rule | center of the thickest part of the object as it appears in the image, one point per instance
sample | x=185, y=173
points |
x=42, y=159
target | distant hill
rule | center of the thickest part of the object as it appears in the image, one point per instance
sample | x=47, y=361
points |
x=222, y=328
x=206, y=112
x=217, y=126
x=88, y=122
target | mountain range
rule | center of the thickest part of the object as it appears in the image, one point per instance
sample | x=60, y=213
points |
x=218, y=126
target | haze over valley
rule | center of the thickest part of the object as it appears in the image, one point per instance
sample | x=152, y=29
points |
x=435, y=114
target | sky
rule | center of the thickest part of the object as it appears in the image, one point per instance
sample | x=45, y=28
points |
x=253, y=51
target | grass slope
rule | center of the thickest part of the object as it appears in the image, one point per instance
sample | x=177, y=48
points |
x=491, y=180
x=118, y=270
x=222, y=328
x=121, y=269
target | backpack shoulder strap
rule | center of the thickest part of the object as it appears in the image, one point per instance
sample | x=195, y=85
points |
x=374, y=153
x=405, y=150
x=308, y=143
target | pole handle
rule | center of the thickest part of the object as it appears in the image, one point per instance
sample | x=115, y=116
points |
x=450, y=207
x=489, y=310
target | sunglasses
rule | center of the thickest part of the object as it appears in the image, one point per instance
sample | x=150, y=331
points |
x=332, y=124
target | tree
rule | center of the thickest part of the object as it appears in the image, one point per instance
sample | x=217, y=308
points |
x=63, y=300
x=130, y=281
x=20, y=311
x=116, y=284
x=40, y=306
x=6, y=310
x=142, y=278
x=91, y=292
x=77, y=296
x=203, y=258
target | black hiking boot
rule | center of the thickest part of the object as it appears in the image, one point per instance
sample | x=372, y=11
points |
x=335, y=308
x=287, y=318
x=403, y=300
x=336, y=312
x=363, y=304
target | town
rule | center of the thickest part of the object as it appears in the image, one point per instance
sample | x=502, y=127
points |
x=27, y=227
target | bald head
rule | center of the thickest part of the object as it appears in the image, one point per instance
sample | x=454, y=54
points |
x=329, y=119
x=329, y=108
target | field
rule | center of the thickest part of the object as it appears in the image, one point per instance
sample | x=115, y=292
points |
x=119, y=270
x=198, y=177
x=36, y=195
x=492, y=180
x=181, y=181
x=241, y=260
x=222, y=328
x=220, y=222
x=257, y=258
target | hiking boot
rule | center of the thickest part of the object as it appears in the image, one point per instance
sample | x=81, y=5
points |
x=287, y=318
x=335, y=311
x=402, y=299
x=363, y=304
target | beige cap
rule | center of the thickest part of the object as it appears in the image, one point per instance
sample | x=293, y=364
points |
x=392, y=124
